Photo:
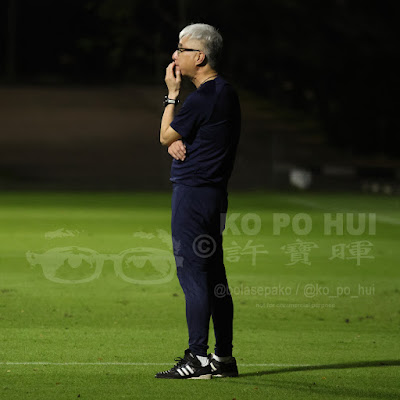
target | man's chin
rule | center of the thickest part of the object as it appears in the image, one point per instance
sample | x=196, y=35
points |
x=183, y=74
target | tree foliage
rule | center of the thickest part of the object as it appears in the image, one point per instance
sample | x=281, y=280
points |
x=336, y=59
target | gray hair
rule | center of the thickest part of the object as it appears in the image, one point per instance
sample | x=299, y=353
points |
x=211, y=39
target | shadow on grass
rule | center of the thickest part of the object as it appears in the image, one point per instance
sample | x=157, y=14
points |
x=361, y=364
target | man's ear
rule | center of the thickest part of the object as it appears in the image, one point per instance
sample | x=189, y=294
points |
x=201, y=60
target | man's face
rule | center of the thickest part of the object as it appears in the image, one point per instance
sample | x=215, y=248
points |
x=186, y=61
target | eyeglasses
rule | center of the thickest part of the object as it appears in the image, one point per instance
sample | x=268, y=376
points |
x=182, y=49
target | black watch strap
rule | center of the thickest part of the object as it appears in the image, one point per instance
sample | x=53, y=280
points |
x=167, y=101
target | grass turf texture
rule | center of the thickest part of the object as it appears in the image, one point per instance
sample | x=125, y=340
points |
x=105, y=339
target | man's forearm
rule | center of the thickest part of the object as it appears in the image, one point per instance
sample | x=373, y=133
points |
x=166, y=120
x=167, y=134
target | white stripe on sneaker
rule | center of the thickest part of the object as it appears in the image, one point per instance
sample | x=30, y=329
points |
x=190, y=369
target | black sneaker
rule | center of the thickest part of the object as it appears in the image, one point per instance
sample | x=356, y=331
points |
x=223, y=369
x=188, y=367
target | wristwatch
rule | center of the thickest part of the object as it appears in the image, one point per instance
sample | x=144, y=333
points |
x=167, y=101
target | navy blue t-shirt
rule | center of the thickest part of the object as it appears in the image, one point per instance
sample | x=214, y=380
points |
x=209, y=123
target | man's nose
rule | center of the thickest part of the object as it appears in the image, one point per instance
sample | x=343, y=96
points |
x=175, y=55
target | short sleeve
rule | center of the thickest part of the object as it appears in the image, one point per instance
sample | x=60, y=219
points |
x=189, y=117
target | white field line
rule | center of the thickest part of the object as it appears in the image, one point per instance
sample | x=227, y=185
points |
x=385, y=219
x=134, y=364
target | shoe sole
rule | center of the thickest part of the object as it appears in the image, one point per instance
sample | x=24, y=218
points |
x=225, y=375
x=205, y=376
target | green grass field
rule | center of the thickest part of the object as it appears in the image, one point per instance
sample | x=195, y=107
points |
x=84, y=315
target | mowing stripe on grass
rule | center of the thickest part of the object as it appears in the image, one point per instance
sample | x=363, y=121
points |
x=133, y=364
x=310, y=204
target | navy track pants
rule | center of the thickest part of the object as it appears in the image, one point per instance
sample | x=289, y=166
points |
x=197, y=222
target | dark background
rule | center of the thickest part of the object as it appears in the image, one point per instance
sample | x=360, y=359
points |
x=319, y=82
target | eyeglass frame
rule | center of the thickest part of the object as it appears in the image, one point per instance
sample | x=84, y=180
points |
x=183, y=49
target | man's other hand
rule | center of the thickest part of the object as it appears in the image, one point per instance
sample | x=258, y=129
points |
x=177, y=150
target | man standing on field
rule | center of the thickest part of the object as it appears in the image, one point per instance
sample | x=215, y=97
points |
x=202, y=138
